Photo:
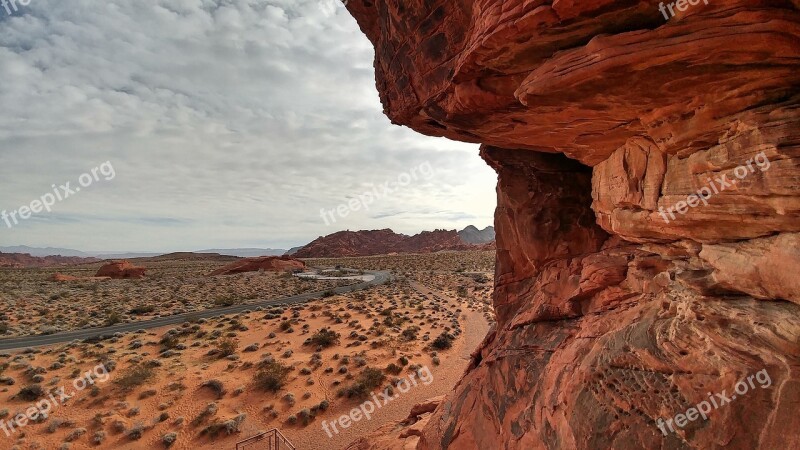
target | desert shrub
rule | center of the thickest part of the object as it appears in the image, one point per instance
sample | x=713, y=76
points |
x=394, y=369
x=272, y=376
x=369, y=380
x=207, y=412
x=285, y=325
x=113, y=319
x=305, y=416
x=3, y=328
x=462, y=291
x=226, y=301
x=229, y=427
x=31, y=393
x=135, y=376
x=169, y=341
x=169, y=439
x=136, y=432
x=410, y=333
x=325, y=338
x=142, y=309
x=215, y=386
x=328, y=294
x=480, y=278
x=443, y=342
x=227, y=347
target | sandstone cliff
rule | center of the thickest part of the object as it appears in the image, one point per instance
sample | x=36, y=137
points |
x=648, y=214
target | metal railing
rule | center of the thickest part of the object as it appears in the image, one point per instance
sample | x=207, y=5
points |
x=269, y=440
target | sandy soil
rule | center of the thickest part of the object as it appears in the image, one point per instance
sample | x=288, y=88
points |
x=163, y=380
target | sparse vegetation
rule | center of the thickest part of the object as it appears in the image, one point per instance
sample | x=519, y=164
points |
x=135, y=376
x=271, y=376
x=369, y=380
x=227, y=347
x=325, y=338
x=443, y=342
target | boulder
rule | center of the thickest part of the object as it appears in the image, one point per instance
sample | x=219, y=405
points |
x=121, y=270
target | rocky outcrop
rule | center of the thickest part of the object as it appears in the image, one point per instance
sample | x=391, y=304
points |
x=648, y=213
x=61, y=278
x=118, y=270
x=25, y=260
x=382, y=242
x=266, y=263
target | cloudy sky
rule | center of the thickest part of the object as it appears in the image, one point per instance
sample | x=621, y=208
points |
x=228, y=123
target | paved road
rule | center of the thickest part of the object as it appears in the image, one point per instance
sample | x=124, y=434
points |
x=69, y=336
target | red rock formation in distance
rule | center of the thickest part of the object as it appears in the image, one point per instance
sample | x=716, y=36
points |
x=60, y=277
x=121, y=270
x=383, y=242
x=25, y=260
x=268, y=263
x=648, y=219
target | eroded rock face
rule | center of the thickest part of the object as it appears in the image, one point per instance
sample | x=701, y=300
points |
x=121, y=270
x=648, y=213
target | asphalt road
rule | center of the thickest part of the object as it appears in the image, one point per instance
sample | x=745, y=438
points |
x=89, y=333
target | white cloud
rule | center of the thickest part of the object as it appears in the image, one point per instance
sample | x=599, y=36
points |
x=229, y=123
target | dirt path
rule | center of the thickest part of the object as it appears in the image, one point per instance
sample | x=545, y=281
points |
x=445, y=376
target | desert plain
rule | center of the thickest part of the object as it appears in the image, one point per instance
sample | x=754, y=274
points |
x=212, y=382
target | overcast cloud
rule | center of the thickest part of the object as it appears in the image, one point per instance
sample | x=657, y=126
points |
x=228, y=124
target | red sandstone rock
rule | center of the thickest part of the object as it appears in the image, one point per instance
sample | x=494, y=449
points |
x=22, y=260
x=60, y=277
x=268, y=263
x=610, y=317
x=121, y=270
x=384, y=242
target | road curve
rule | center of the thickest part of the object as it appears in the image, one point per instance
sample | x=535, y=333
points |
x=69, y=336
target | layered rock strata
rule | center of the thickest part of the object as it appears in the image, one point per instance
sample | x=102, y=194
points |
x=648, y=215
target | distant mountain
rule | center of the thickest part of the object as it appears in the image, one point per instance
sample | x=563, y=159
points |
x=246, y=252
x=293, y=250
x=130, y=255
x=49, y=251
x=472, y=235
x=382, y=242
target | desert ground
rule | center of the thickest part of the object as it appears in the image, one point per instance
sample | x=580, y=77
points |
x=211, y=383
x=33, y=304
